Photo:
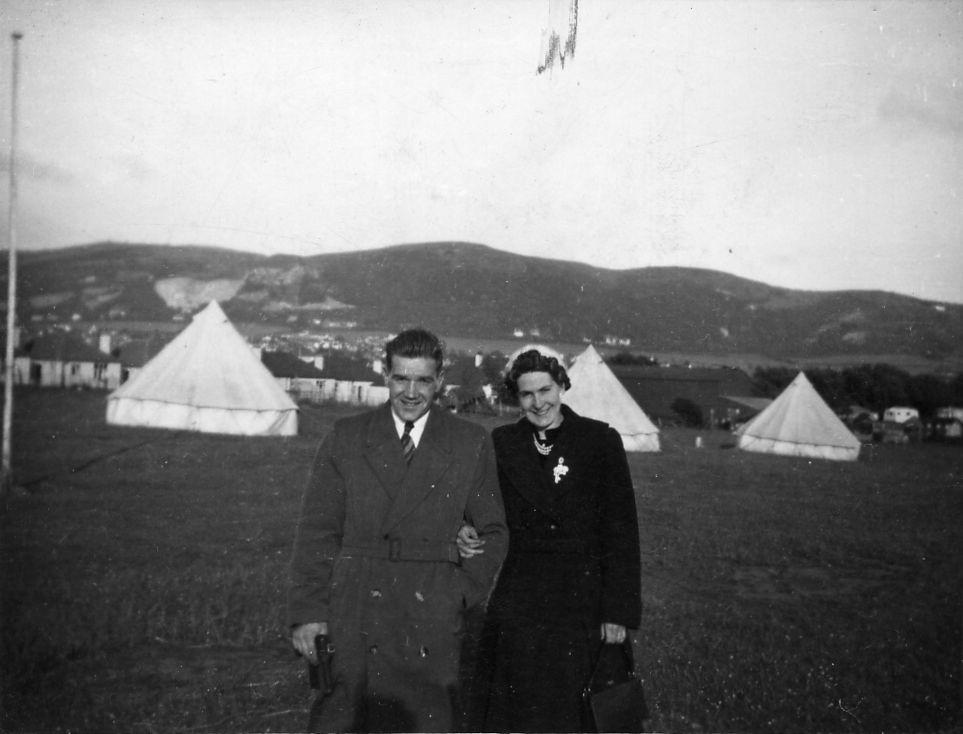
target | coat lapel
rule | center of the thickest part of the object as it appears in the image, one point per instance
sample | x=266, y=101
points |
x=535, y=481
x=526, y=473
x=429, y=462
x=383, y=453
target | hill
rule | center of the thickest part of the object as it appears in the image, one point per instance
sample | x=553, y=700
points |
x=474, y=290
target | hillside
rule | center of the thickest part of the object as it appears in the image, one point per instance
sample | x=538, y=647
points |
x=474, y=290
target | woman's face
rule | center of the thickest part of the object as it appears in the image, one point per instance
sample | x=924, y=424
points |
x=540, y=398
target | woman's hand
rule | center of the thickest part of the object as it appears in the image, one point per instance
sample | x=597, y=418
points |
x=613, y=634
x=469, y=544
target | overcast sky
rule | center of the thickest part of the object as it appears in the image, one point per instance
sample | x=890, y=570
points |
x=813, y=145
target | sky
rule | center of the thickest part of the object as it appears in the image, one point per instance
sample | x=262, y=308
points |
x=813, y=145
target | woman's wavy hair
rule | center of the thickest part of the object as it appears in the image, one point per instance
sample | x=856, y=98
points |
x=534, y=361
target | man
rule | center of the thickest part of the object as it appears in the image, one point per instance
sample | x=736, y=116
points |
x=375, y=564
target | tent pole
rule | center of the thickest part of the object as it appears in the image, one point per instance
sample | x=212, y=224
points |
x=6, y=481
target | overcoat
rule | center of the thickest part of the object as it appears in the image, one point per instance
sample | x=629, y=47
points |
x=573, y=563
x=375, y=558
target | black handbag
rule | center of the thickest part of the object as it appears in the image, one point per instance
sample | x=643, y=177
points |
x=614, y=695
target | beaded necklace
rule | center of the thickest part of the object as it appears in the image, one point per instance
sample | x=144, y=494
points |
x=543, y=448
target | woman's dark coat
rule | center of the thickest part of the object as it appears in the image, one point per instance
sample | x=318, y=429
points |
x=573, y=563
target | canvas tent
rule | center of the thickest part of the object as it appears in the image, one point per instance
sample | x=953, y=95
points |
x=799, y=423
x=207, y=379
x=597, y=393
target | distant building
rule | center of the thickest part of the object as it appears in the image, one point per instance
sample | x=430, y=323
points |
x=950, y=412
x=65, y=360
x=741, y=408
x=346, y=367
x=345, y=378
x=856, y=412
x=297, y=377
x=900, y=414
x=465, y=384
x=713, y=390
x=135, y=353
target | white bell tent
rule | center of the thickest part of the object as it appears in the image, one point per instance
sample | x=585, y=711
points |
x=597, y=393
x=799, y=423
x=208, y=379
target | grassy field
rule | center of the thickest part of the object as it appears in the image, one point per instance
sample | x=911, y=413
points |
x=143, y=574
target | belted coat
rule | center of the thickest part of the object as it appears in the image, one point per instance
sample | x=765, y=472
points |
x=375, y=558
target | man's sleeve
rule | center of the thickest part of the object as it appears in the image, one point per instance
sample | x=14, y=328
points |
x=619, y=533
x=486, y=513
x=318, y=539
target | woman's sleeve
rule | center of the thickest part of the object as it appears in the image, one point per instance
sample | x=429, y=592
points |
x=619, y=531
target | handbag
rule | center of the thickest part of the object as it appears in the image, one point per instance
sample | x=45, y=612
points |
x=614, y=694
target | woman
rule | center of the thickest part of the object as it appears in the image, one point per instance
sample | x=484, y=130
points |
x=571, y=580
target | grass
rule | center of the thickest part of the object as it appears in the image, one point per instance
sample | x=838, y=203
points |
x=143, y=573
x=788, y=595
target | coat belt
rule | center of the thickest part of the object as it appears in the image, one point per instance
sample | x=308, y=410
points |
x=400, y=549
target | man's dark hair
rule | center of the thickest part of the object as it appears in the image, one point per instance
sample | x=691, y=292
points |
x=534, y=361
x=415, y=343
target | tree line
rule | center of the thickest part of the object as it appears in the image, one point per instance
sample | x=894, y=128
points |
x=875, y=387
x=872, y=386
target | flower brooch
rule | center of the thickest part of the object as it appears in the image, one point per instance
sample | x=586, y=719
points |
x=560, y=470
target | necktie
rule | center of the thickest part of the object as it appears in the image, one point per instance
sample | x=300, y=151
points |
x=407, y=443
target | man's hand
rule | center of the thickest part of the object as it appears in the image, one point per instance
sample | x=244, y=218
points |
x=302, y=637
x=469, y=544
x=613, y=634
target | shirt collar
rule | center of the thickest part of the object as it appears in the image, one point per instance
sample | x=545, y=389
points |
x=416, y=431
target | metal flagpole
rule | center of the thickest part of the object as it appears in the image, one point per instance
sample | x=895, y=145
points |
x=6, y=481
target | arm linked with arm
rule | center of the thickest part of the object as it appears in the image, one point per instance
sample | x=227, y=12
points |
x=484, y=511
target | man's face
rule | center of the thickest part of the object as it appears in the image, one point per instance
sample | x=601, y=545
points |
x=412, y=384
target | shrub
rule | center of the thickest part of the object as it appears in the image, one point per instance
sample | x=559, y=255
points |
x=690, y=413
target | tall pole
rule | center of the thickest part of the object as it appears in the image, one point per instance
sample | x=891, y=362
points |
x=6, y=481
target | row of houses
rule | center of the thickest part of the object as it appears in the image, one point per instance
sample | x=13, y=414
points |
x=66, y=360
x=723, y=396
x=303, y=379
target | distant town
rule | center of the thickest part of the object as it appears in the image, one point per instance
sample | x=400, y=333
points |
x=338, y=363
